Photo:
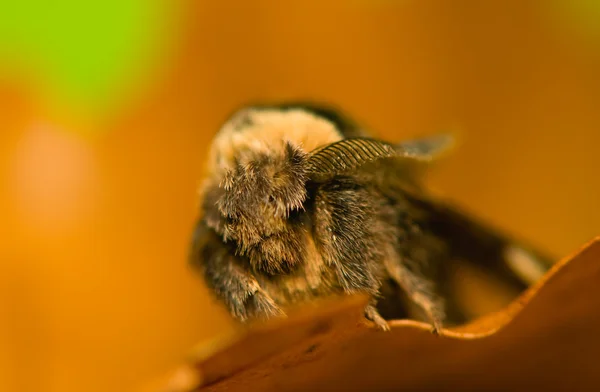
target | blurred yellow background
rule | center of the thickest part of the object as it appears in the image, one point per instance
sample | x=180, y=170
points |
x=106, y=111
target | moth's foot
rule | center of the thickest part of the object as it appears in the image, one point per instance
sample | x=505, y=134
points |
x=436, y=323
x=433, y=312
x=373, y=315
x=260, y=306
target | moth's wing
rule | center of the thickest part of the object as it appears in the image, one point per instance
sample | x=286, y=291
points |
x=427, y=148
x=512, y=259
x=396, y=168
x=422, y=154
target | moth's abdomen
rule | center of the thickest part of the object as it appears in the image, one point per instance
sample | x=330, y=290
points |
x=511, y=260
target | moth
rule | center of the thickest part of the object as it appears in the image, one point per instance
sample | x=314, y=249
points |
x=301, y=202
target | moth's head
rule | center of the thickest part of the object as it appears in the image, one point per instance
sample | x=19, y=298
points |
x=258, y=169
x=259, y=194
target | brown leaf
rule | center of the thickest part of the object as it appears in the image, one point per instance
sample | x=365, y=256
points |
x=546, y=339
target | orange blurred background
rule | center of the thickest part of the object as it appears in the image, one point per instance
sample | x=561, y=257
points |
x=106, y=114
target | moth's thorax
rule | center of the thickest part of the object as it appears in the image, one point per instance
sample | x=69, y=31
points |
x=267, y=131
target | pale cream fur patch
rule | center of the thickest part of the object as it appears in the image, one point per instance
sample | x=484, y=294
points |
x=266, y=132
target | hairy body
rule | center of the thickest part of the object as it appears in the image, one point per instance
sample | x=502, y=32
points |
x=300, y=203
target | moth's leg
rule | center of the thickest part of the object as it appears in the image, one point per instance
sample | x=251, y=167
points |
x=372, y=314
x=341, y=223
x=345, y=231
x=226, y=275
x=420, y=291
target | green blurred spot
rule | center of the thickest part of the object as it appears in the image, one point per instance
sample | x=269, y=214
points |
x=86, y=53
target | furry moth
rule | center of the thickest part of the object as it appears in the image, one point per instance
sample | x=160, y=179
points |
x=300, y=202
